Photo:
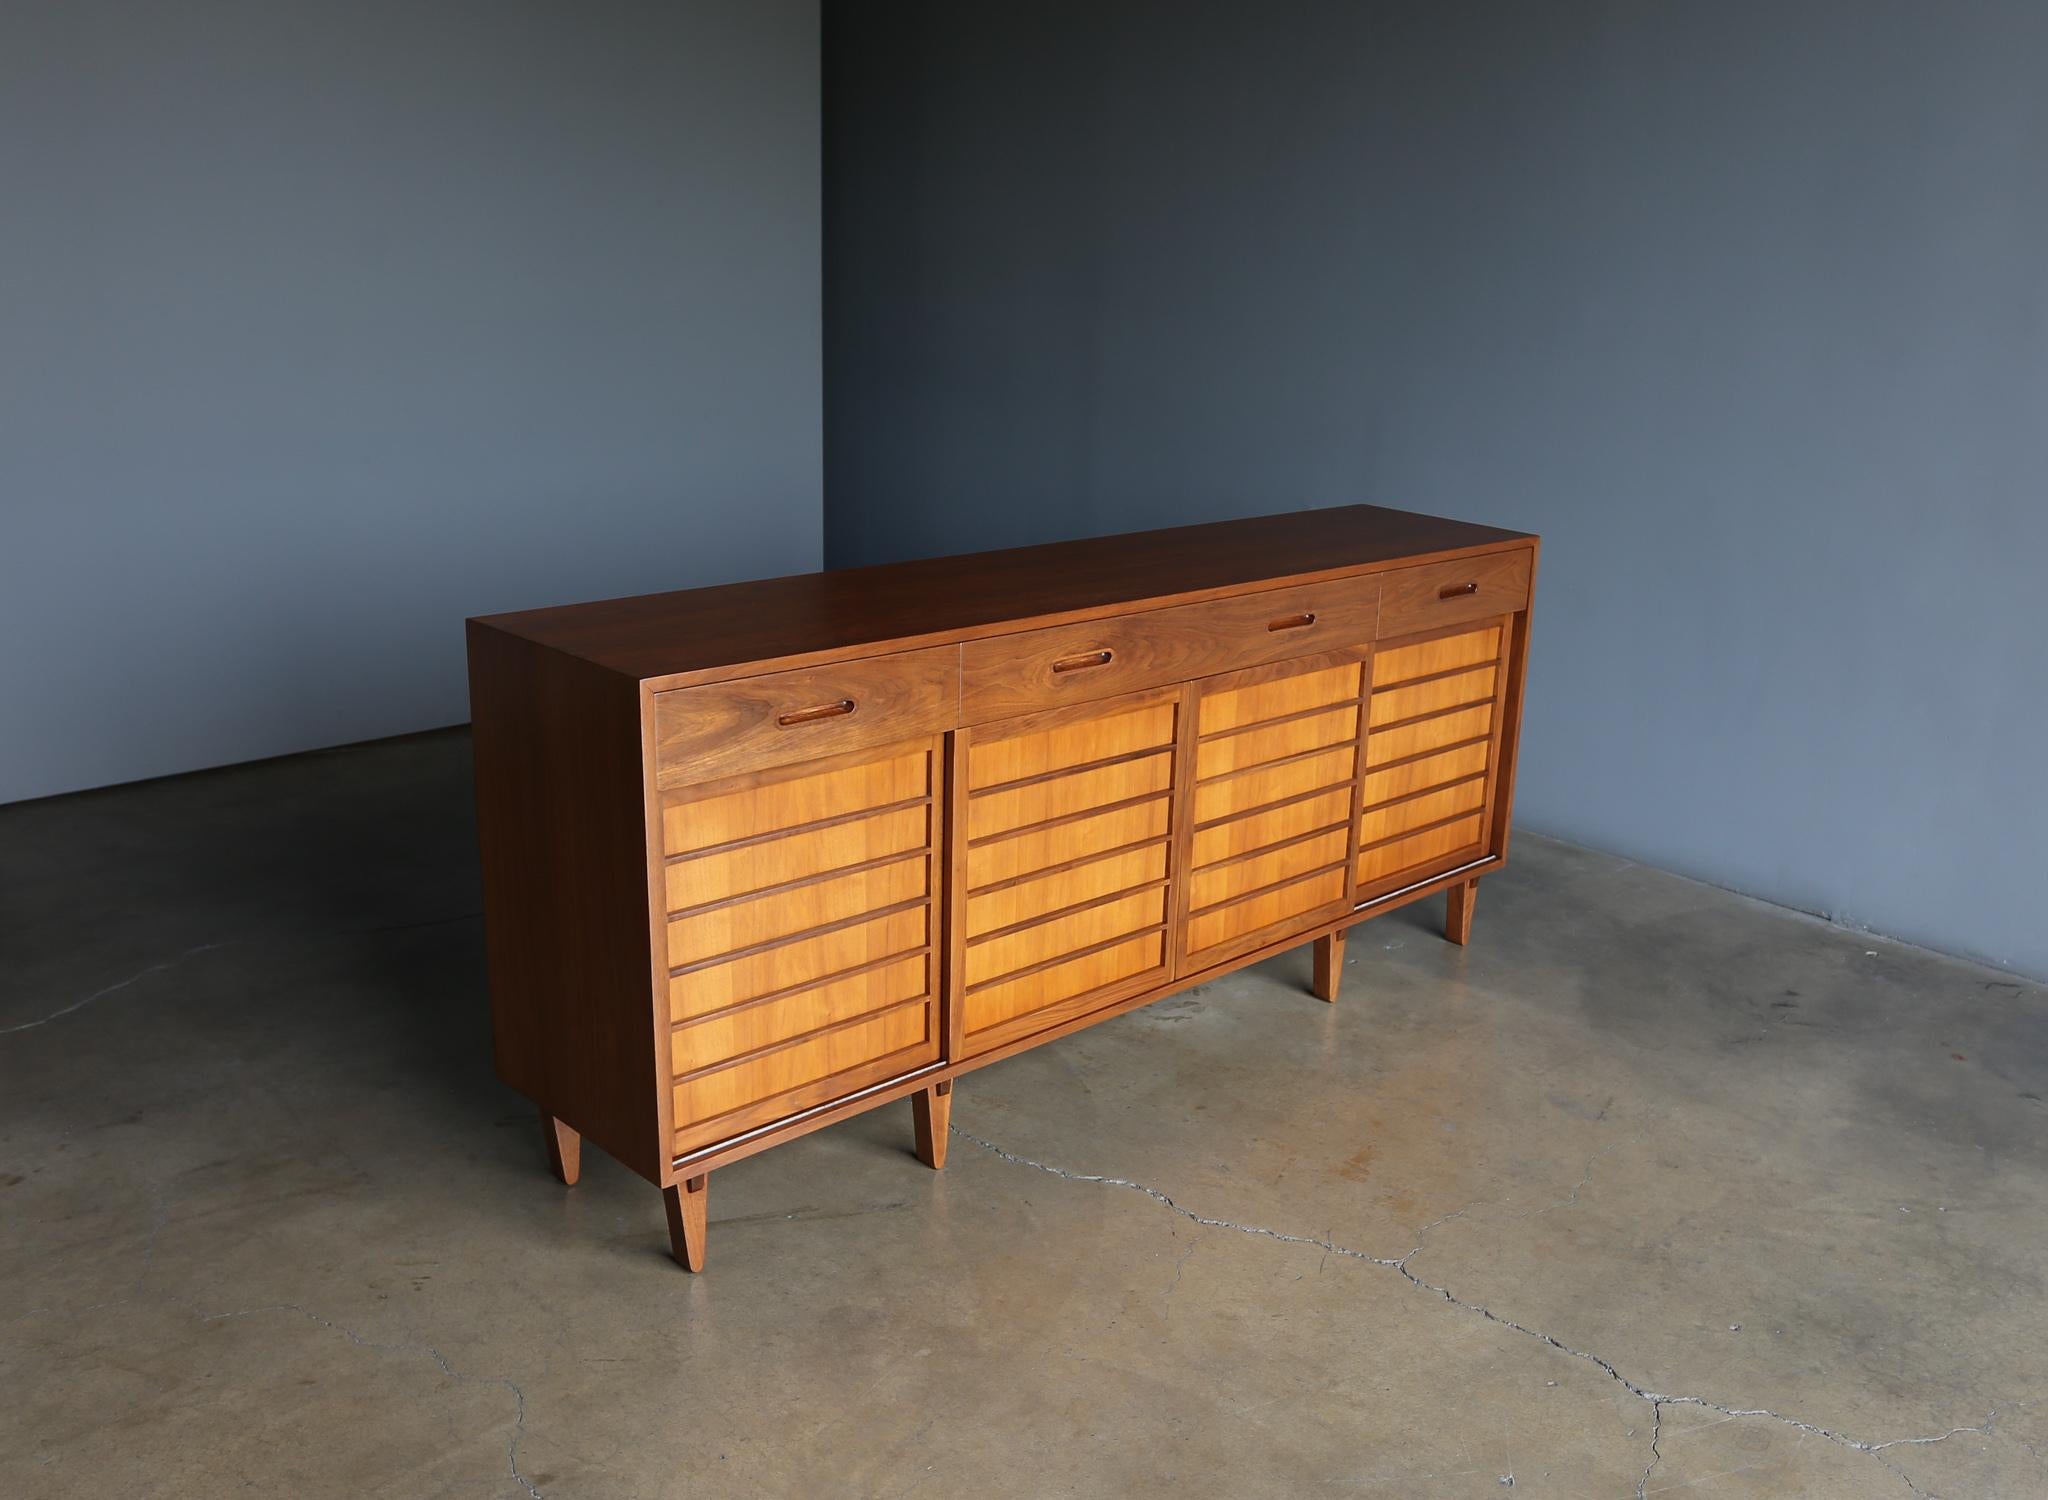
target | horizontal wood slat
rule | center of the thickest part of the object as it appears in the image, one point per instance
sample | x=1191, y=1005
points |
x=1070, y=886
x=1419, y=849
x=748, y=923
x=1382, y=823
x=997, y=957
x=702, y=821
x=1217, y=799
x=790, y=965
x=1235, y=708
x=992, y=762
x=1034, y=802
x=1220, y=883
x=1384, y=745
x=1222, y=923
x=708, y=1095
x=1394, y=665
x=732, y=1033
x=1429, y=771
x=1292, y=736
x=730, y=873
x=1047, y=988
x=1392, y=705
x=1006, y=858
x=1276, y=825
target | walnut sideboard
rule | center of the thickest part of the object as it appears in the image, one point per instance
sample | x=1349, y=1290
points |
x=760, y=857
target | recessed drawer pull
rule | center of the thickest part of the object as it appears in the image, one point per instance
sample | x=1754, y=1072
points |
x=811, y=715
x=1457, y=590
x=1084, y=660
x=1293, y=622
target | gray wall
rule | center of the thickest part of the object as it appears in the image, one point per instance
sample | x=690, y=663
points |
x=323, y=325
x=1743, y=306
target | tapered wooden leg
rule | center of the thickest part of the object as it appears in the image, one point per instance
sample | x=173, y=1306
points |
x=686, y=1202
x=1330, y=963
x=565, y=1149
x=932, y=1112
x=1458, y=912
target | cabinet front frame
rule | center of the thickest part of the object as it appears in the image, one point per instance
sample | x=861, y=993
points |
x=948, y=891
x=1367, y=892
x=960, y=1046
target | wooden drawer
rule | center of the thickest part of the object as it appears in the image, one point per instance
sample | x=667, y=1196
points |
x=703, y=733
x=1414, y=599
x=1019, y=674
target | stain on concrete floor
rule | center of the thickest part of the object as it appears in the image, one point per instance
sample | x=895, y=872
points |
x=1652, y=1191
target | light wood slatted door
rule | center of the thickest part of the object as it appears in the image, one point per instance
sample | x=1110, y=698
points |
x=1068, y=823
x=1275, y=788
x=1432, y=749
x=801, y=923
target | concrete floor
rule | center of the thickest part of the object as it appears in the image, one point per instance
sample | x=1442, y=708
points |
x=1652, y=1190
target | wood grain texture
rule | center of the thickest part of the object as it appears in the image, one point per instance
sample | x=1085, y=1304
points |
x=1425, y=736
x=1240, y=792
x=1448, y=593
x=1069, y=861
x=687, y=1204
x=824, y=970
x=1329, y=964
x=1299, y=901
x=1377, y=824
x=1008, y=675
x=703, y=1041
x=560, y=824
x=1066, y=886
x=816, y=853
x=564, y=1149
x=1431, y=769
x=1394, y=664
x=702, y=733
x=1434, y=695
x=1278, y=735
x=774, y=938
x=1432, y=753
x=1062, y=744
x=1241, y=834
x=931, y=1112
x=1403, y=856
x=828, y=791
x=733, y=628
x=1045, y=997
x=1460, y=900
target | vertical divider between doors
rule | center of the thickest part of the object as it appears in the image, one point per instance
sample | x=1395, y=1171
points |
x=1181, y=850
x=949, y=943
x=1365, y=670
x=1503, y=671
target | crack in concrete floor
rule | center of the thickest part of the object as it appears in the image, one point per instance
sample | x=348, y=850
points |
x=518, y=1394
x=176, y=959
x=120, y=984
x=1658, y=1399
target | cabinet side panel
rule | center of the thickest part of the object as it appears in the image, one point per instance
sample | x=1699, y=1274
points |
x=1511, y=729
x=560, y=811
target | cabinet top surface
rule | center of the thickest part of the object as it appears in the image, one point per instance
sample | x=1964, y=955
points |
x=809, y=614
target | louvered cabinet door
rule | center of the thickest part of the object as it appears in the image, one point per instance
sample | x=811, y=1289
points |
x=1066, y=820
x=1432, y=755
x=1275, y=789
x=802, y=915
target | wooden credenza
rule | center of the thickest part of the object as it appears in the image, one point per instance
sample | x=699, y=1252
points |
x=762, y=856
